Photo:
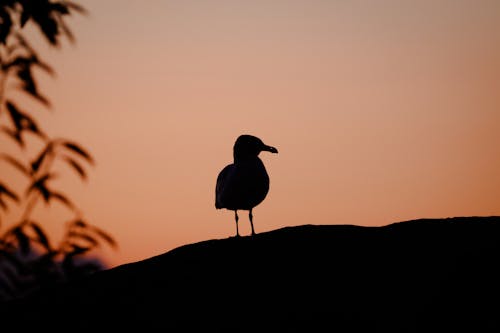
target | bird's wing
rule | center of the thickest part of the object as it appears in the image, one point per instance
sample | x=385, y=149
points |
x=221, y=182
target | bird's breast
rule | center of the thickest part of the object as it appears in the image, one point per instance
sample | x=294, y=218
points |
x=244, y=185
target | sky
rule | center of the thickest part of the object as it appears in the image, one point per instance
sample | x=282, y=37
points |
x=382, y=111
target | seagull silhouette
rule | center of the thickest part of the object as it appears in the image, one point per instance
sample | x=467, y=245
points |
x=245, y=183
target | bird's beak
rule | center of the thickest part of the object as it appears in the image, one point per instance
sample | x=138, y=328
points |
x=270, y=149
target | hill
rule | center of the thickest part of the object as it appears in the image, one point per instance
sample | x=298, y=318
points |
x=413, y=276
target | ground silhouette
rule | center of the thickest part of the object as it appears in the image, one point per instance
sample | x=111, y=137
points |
x=428, y=275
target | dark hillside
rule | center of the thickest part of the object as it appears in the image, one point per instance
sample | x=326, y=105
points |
x=415, y=276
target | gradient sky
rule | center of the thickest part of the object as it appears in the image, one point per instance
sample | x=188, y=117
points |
x=382, y=111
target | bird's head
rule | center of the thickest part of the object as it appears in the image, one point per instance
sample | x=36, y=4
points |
x=250, y=146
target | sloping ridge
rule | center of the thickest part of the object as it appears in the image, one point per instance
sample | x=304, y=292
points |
x=413, y=276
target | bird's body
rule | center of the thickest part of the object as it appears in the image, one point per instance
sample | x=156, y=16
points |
x=245, y=183
x=242, y=185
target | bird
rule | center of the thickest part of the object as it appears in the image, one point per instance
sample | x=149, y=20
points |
x=243, y=184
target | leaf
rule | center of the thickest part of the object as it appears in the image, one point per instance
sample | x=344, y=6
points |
x=19, y=119
x=22, y=121
x=24, y=63
x=110, y=240
x=49, y=255
x=23, y=43
x=79, y=223
x=66, y=31
x=46, y=67
x=59, y=7
x=77, y=149
x=41, y=187
x=35, y=165
x=84, y=237
x=8, y=192
x=76, y=250
x=4, y=190
x=23, y=240
x=3, y=205
x=18, y=62
x=61, y=197
x=49, y=28
x=29, y=85
x=25, y=16
x=16, y=135
x=77, y=167
x=5, y=25
x=42, y=237
x=15, y=163
x=76, y=7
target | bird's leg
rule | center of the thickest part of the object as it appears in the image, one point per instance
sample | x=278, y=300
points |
x=236, y=219
x=250, y=215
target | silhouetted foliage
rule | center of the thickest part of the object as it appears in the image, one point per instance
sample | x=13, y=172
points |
x=29, y=258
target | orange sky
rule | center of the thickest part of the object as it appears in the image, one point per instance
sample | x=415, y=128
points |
x=382, y=111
